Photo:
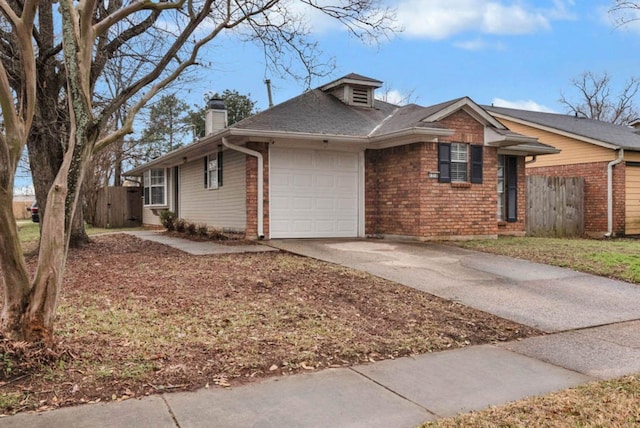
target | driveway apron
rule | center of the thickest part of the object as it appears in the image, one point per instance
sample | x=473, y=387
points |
x=545, y=297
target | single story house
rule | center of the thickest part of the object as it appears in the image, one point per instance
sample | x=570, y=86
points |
x=606, y=155
x=336, y=162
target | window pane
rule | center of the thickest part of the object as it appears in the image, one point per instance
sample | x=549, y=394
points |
x=213, y=180
x=147, y=195
x=458, y=171
x=459, y=152
x=157, y=177
x=157, y=195
x=213, y=171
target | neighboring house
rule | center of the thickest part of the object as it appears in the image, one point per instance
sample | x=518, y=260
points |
x=606, y=155
x=336, y=162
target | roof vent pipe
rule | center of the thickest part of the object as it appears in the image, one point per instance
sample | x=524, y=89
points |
x=216, y=116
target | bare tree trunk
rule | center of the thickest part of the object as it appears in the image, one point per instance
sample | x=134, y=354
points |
x=38, y=317
x=14, y=271
x=79, y=237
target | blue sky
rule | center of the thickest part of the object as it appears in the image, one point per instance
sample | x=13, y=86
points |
x=513, y=53
x=520, y=53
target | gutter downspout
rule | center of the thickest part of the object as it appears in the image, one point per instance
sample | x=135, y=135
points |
x=610, y=166
x=533, y=159
x=260, y=159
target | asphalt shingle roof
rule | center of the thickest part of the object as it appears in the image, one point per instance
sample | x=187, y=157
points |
x=618, y=135
x=318, y=112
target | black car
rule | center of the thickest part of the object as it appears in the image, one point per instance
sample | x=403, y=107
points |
x=33, y=209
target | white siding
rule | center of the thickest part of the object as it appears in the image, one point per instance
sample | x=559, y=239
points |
x=148, y=217
x=223, y=207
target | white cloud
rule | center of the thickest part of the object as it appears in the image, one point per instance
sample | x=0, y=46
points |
x=479, y=45
x=521, y=105
x=393, y=96
x=440, y=19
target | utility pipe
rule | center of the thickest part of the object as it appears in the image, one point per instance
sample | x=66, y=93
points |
x=610, y=166
x=260, y=159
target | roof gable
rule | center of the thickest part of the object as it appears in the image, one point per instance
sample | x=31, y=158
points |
x=467, y=105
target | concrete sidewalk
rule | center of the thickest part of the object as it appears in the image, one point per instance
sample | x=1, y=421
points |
x=198, y=248
x=393, y=393
x=407, y=391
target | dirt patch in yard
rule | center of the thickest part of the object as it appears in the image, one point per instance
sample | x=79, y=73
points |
x=138, y=318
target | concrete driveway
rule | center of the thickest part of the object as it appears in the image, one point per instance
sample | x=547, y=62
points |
x=549, y=298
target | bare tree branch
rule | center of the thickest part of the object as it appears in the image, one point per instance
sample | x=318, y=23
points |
x=595, y=100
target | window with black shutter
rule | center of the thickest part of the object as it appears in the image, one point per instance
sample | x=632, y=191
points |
x=476, y=164
x=460, y=162
x=444, y=162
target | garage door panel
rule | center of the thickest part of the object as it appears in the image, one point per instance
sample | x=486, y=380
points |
x=345, y=225
x=325, y=182
x=280, y=204
x=325, y=204
x=318, y=197
x=302, y=179
x=303, y=204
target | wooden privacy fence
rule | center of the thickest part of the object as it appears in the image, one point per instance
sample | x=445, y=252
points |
x=118, y=207
x=555, y=206
x=20, y=209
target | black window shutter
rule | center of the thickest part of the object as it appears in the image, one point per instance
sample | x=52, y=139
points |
x=220, y=169
x=206, y=172
x=444, y=162
x=476, y=164
x=511, y=174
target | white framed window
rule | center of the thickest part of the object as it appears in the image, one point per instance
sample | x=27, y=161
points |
x=459, y=162
x=213, y=171
x=155, y=187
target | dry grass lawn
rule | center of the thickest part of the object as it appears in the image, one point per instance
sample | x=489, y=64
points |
x=137, y=318
x=600, y=404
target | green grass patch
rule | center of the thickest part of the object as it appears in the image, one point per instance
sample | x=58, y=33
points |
x=28, y=232
x=614, y=258
x=10, y=400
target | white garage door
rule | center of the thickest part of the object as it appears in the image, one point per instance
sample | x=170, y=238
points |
x=313, y=193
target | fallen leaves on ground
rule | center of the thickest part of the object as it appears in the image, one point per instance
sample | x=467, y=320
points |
x=138, y=318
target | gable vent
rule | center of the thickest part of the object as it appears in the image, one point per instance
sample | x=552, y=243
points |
x=361, y=96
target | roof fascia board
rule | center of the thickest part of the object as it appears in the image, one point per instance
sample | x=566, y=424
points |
x=557, y=131
x=431, y=134
x=176, y=157
x=525, y=150
x=473, y=109
x=495, y=139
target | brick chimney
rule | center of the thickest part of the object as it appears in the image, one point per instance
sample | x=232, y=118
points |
x=216, y=116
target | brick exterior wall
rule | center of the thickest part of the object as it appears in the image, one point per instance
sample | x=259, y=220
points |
x=595, y=193
x=251, y=230
x=393, y=178
x=401, y=199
